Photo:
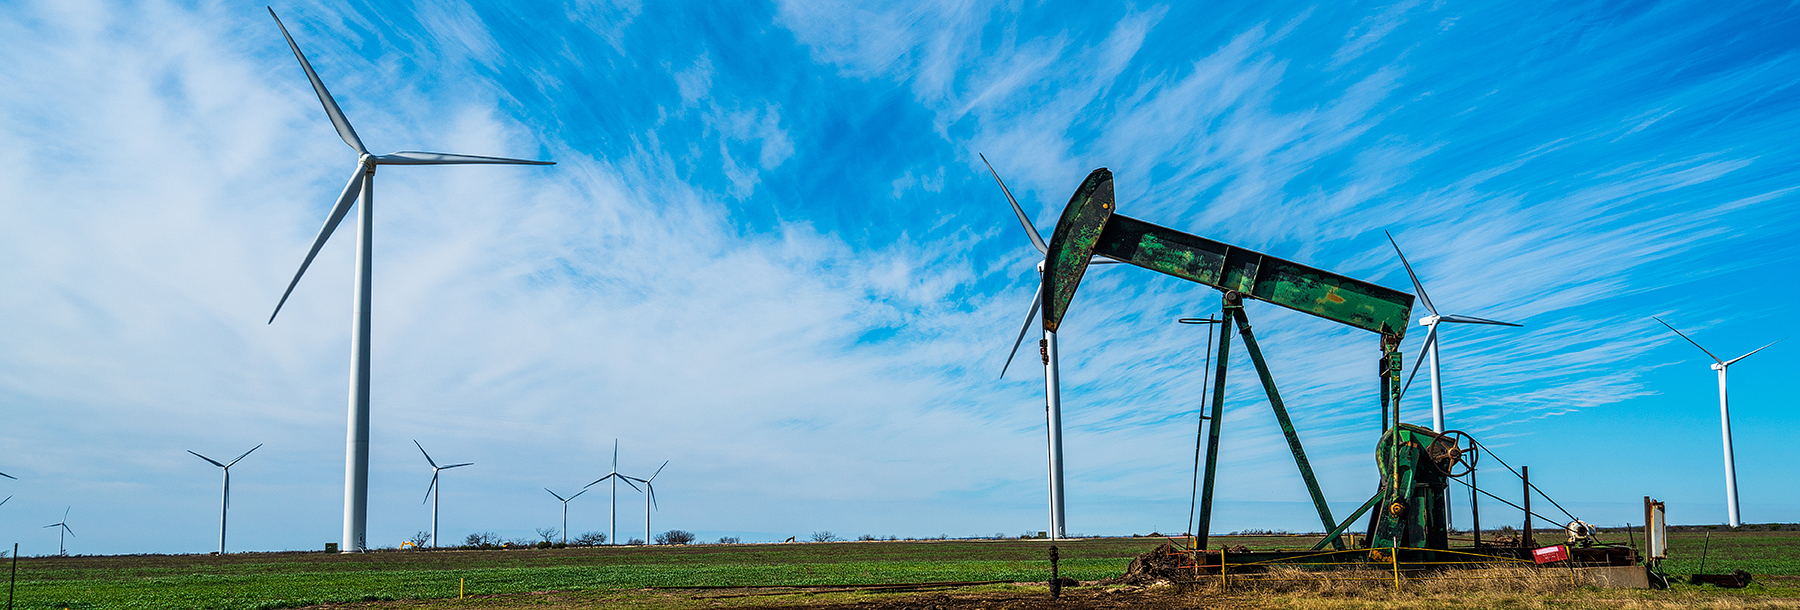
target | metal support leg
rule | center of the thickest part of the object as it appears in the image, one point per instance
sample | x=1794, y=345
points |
x=1287, y=425
x=1212, y=438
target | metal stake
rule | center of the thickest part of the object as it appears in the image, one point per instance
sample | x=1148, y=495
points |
x=1525, y=475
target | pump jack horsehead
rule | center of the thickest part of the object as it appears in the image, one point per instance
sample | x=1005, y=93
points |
x=1089, y=228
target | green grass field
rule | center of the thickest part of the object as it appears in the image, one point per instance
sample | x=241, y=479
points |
x=278, y=580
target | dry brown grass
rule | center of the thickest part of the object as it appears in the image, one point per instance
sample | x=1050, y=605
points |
x=1494, y=587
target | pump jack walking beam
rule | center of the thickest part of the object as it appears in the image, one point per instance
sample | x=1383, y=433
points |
x=1088, y=227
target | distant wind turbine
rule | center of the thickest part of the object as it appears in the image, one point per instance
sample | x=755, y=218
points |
x=362, y=185
x=1731, y=495
x=64, y=524
x=613, y=512
x=565, y=504
x=1052, y=375
x=1431, y=342
x=225, y=495
x=649, y=497
x=435, y=492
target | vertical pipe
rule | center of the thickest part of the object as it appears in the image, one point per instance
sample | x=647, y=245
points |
x=1475, y=507
x=1731, y=495
x=1385, y=390
x=1053, y=417
x=356, y=458
x=1212, y=438
x=1525, y=475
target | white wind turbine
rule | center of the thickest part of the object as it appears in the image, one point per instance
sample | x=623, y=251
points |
x=225, y=495
x=1731, y=495
x=612, y=536
x=1431, y=341
x=361, y=186
x=64, y=524
x=435, y=492
x=649, y=497
x=565, y=504
x=1052, y=380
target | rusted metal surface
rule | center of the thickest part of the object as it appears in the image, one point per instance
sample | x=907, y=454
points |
x=1088, y=226
x=1066, y=258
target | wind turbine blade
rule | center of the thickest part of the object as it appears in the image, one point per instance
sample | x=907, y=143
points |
x=1734, y=360
x=430, y=487
x=2, y=474
x=414, y=157
x=3, y=502
x=1691, y=340
x=1420, y=288
x=351, y=192
x=1474, y=320
x=627, y=481
x=68, y=529
x=331, y=108
x=615, y=456
x=577, y=494
x=1036, y=300
x=652, y=492
x=554, y=494
x=666, y=465
x=214, y=462
x=246, y=454
x=1418, y=363
x=457, y=465
x=1030, y=229
x=66, y=514
x=428, y=459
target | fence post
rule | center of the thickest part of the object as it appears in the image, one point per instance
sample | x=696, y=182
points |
x=1396, y=558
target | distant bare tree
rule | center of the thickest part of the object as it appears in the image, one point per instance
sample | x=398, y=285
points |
x=548, y=533
x=591, y=539
x=482, y=540
x=675, y=537
x=420, y=539
x=824, y=536
x=729, y=540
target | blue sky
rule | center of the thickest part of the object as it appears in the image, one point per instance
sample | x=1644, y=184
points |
x=770, y=254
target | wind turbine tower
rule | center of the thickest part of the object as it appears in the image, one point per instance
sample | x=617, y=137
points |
x=565, y=505
x=225, y=495
x=64, y=524
x=1731, y=495
x=612, y=535
x=1052, y=375
x=361, y=187
x=435, y=492
x=1431, y=342
x=649, y=498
